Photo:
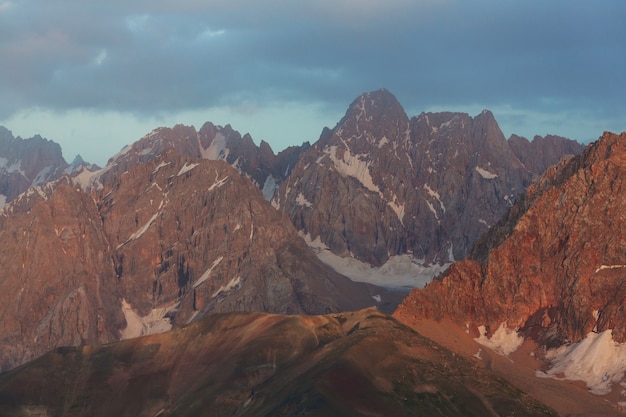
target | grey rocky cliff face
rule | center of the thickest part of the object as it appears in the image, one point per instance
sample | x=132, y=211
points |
x=27, y=162
x=543, y=152
x=380, y=184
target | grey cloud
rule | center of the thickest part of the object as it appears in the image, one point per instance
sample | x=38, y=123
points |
x=159, y=56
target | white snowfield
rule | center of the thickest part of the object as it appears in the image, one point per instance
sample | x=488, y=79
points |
x=399, y=272
x=597, y=360
x=155, y=322
x=207, y=273
x=186, y=168
x=486, y=174
x=356, y=166
x=503, y=341
x=217, y=149
x=269, y=187
x=302, y=201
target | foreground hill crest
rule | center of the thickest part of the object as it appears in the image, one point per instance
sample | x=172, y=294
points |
x=252, y=364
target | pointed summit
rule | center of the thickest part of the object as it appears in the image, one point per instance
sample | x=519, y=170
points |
x=78, y=160
x=379, y=186
x=375, y=101
x=375, y=106
x=371, y=117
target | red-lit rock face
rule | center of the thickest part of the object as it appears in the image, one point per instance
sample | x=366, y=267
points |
x=160, y=244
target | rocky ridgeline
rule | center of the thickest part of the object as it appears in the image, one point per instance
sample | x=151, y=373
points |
x=555, y=266
x=166, y=242
x=259, y=163
x=175, y=226
x=30, y=162
x=380, y=184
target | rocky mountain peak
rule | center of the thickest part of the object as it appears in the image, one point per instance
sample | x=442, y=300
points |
x=380, y=186
x=489, y=138
x=27, y=162
x=78, y=160
x=375, y=104
x=374, y=118
x=542, y=152
x=5, y=133
x=259, y=163
x=159, y=245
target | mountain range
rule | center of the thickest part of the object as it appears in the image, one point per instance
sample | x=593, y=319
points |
x=25, y=163
x=166, y=242
x=522, y=237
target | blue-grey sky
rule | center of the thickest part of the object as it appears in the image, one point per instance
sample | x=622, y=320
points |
x=97, y=75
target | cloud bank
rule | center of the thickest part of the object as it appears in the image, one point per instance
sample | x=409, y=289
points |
x=537, y=65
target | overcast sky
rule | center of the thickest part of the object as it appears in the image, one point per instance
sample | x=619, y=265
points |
x=97, y=75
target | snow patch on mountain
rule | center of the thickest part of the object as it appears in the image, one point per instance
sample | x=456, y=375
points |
x=234, y=284
x=15, y=167
x=39, y=190
x=126, y=149
x=353, y=166
x=302, y=201
x=217, y=149
x=448, y=123
x=161, y=165
x=42, y=176
x=436, y=196
x=186, y=168
x=88, y=179
x=147, y=151
x=401, y=271
x=597, y=360
x=504, y=341
x=486, y=174
x=218, y=182
x=145, y=227
x=398, y=209
x=207, y=273
x=155, y=322
x=603, y=267
x=269, y=187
